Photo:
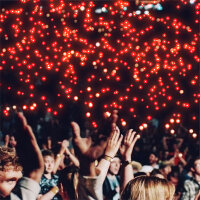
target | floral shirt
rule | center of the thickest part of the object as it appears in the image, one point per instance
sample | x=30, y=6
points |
x=191, y=188
x=47, y=184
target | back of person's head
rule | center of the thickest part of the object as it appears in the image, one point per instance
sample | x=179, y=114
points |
x=148, y=188
x=9, y=160
x=68, y=177
x=157, y=173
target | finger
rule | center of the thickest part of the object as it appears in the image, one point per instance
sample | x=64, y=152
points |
x=113, y=126
x=133, y=133
x=136, y=138
x=120, y=140
x=113, y=132
x=114, y=116
x=22, y=118
x=76, y=129
x=116, y=134
x=129, y=134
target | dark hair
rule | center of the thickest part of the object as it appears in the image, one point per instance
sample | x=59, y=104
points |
x=194, y=160
x=191, y=162
x=139, y=174
x=47, y=152
x=69, y=179
x=154, y=153
x=174, y=172
x=155, y=172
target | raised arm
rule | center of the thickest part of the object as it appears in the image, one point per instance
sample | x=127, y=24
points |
x=113, y=144
x=28, y=150
x=89, y=178
x=72, y=157
x=126, y=151
x=6, y=140
x=86, y=151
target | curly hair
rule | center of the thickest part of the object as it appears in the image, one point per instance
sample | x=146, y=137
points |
x=9, y=159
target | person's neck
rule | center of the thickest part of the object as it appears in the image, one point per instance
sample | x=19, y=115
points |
x=48, y=175
x=111, y=175
x=154, y=164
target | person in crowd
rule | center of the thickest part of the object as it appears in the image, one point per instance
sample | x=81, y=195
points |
x=12, y=141
x=176, y=156
x=157, y=173
x=49, y=181
x=148, y=188
x=6, y=140
x=64, y=154
x=126, y=151
x=68, y=181
x=153, y=160
x=111, y=185
x=12, y=185
x=153, y=164
x=165, y=168
x=191, y=186
x=10, y=171
x=174, y=178
x=91, y=178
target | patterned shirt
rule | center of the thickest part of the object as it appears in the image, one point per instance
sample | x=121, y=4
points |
x=191, y=188
x=47, y=184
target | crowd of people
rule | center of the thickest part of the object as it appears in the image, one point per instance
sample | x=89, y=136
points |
x=96, y=167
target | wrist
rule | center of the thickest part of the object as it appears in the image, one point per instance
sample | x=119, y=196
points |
x=108, y=158
x=62, y=150
x=55, y=190
x=110, y=154
x=126, y=162
x=59, y=155
x=127, y=157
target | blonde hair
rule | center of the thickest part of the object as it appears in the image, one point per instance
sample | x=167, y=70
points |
x=148, y=188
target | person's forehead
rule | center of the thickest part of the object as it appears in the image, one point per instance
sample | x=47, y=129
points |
x=9, y=174
x=48, y=157
x=197, y=161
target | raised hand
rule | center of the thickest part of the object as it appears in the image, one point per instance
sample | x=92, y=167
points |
x=28, y=150
x=126, y=151
x=84, y=146
x=6, y=140
x=128, y=144
x=114, y=116
x=113, y=142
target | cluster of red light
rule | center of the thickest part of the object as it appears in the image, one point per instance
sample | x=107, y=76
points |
x=64, y=39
